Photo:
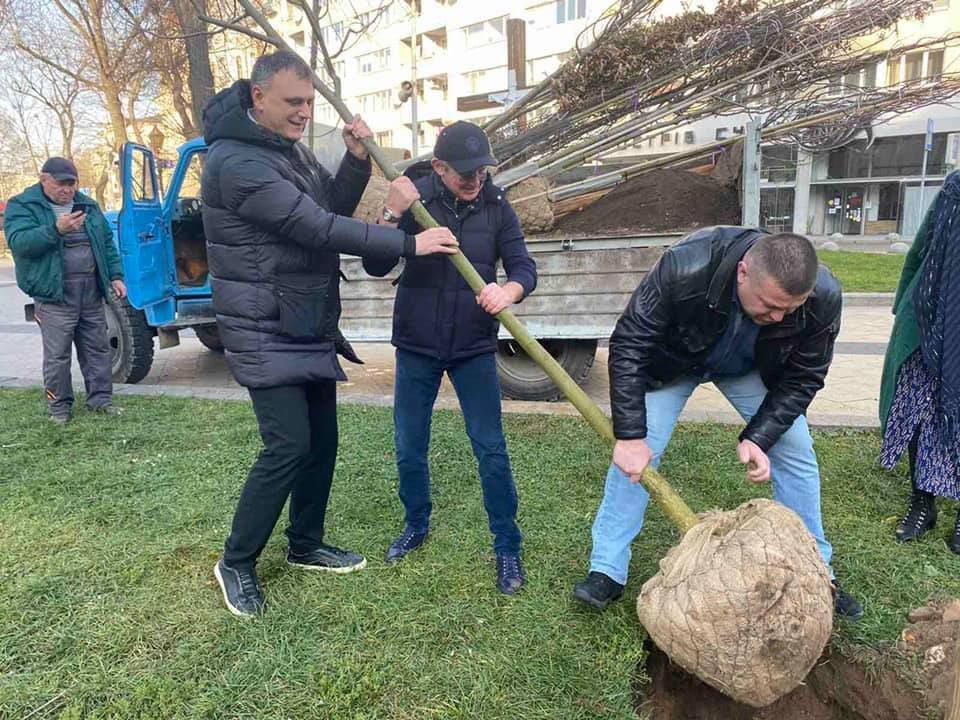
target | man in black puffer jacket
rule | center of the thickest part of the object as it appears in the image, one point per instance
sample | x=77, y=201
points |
x=439, y=327
x=756, y=315
x=275, y=224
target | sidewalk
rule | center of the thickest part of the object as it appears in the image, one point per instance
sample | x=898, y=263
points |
x=849, y=398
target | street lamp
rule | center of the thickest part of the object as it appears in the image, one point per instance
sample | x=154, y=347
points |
x=156, y=144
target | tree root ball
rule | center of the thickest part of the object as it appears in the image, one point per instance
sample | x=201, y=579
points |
x=743, y=602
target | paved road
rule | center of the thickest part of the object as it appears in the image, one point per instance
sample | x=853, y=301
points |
x=849, y=398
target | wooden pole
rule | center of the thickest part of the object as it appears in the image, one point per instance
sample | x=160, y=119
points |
x=660, y=490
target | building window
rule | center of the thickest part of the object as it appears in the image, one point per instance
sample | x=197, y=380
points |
x=375, y=61
x=569, y=10
x=888, y=206
x=934, y=65
x=385, y=139
x=483, y=33
x=332, y=34
x=666, y=138
x=915, y=66
x=722, y=133
x=689, y=138
x=375, y=102
x=476, y=81
x=778, y=163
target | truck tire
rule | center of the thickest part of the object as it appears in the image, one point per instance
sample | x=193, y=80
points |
x=131, y=342
x=209, y=336
x=522, y=379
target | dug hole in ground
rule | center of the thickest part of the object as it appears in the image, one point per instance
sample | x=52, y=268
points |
x=915, y=681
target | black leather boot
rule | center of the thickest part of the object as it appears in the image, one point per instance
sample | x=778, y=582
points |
x=954, y=542
x=921, y=517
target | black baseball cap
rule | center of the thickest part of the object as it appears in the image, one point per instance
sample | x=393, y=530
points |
x=60, y=168
x=464, y=147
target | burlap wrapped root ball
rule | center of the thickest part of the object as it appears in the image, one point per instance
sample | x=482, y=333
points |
x=743, y=602
x=533, y=207
x=372, y=201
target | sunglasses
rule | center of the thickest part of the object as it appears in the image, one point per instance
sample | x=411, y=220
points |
x=480, y=173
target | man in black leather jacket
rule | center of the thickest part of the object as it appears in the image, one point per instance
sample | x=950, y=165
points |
x=756, y=315
x=275, y=222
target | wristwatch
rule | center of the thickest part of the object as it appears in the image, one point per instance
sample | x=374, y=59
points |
x=389, y=216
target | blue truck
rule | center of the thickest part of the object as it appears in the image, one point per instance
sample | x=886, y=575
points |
x=585, y=282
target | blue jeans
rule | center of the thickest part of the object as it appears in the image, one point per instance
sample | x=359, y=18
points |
x=793, y=469
x=478, y=390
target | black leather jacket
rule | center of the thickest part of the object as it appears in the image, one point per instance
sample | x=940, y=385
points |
x=681, y=309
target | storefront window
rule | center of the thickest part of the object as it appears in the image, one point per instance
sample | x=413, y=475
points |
x=850, y=161
x=888, y=207
x=778, y=163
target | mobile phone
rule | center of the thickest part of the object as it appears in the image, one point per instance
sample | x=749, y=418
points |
x=77, y=207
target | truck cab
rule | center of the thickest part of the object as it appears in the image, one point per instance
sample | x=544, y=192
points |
x=160, y=238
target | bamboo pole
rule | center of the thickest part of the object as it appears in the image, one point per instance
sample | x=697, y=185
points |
x=660, y=490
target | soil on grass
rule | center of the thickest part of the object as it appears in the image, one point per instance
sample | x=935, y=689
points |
x=658, y=201
x=836, y=689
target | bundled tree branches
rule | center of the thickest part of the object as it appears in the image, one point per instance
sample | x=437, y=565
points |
x=782, y=60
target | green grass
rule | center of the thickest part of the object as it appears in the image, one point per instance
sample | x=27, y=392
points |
x=864, y=272
x=111, y=526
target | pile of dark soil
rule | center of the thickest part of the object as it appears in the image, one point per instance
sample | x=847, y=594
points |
x=657, y=201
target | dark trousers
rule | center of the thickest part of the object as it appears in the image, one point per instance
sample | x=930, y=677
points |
x=298, y=424
x=80, y=319
x=478, y=390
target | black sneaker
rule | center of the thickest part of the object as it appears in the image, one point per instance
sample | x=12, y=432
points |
x=509, y=573
x=328, y=558
x=846, y=605
x=598, y=590
x=408, y=540
x=241, y=591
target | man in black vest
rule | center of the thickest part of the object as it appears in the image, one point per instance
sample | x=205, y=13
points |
x=439, y=327
x=275, y=222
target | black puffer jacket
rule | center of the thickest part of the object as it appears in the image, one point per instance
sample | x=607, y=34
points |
x=681, y=309
x=274, y=224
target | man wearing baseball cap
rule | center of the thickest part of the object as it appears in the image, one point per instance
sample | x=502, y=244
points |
x=439, y=327
x=66, y=261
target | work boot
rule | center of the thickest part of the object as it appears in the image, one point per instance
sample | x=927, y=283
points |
x=408, y=540
x=954, y=542
x=509, y=573
x=921, y=516
x=845, y=605
x=327, y=558
x=598, y=590
x=241, y=591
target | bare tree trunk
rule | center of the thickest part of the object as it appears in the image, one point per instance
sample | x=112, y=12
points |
x=198, y=56
x=101, y=189
x=111, y=96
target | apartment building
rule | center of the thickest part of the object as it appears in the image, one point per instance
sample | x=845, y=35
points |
x=454, y=50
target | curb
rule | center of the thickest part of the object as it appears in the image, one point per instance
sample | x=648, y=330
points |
x=821, y=421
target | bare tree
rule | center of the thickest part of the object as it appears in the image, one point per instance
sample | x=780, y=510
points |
x=103, y=53
x=57, y=94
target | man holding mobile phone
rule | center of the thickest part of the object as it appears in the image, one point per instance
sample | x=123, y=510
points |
x=66, y=261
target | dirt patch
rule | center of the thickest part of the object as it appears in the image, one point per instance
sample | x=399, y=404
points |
x=930, y=640
x=836, y=689
x=661, y=200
